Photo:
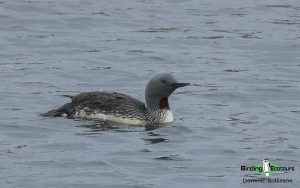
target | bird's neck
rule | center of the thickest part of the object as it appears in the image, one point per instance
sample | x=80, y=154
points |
x=157, y=104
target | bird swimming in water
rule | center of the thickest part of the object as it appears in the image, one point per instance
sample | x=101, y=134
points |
x=122, y=108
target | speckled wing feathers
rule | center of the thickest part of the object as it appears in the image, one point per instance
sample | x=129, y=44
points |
x=103, y=102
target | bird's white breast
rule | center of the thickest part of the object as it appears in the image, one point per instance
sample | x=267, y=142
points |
x=107, y=117
x=168, y=116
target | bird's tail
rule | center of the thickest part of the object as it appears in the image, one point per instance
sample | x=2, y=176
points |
x=53, y=113
x=63, y=111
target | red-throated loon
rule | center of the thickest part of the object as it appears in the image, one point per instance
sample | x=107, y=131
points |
x=121, y=108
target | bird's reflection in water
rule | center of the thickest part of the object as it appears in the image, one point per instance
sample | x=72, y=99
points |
x=155, y=126
x=152, y=137
x=155, y=140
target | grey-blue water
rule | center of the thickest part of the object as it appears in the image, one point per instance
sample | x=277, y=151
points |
x=243, y=58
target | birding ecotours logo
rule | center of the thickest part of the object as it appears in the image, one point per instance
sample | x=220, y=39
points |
x=265, y=169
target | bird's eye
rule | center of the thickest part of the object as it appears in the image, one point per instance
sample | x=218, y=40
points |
x=163, y=81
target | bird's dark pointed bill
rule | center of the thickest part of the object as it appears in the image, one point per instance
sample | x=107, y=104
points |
x=176, y=85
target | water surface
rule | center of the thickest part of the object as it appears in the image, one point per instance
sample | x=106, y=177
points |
x=242, y=57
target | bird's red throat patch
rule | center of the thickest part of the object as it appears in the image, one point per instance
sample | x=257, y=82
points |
x=164, y=104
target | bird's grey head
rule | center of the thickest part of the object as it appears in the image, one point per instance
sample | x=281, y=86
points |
x=159, y=88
